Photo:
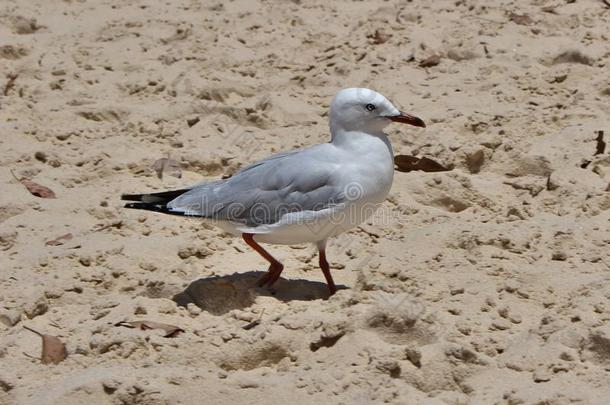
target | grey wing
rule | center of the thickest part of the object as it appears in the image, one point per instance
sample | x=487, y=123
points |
x=261, y=193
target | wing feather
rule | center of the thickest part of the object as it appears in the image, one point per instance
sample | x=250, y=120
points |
x=304, y=180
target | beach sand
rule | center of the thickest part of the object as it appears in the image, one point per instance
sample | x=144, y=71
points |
x=485, y=283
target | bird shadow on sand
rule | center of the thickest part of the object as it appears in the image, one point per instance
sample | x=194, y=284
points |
x=221, y=294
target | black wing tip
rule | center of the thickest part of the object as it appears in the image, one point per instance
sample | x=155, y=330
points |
x=131, y=197
x=152, y=207
x=161, y=198
x=146, y=206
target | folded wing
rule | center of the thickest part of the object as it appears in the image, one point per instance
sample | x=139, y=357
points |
x=263, y=192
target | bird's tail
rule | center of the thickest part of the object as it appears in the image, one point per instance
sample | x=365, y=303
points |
x=156, y=202
x=155, y=198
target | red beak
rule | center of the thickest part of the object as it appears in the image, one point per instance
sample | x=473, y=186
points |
x=408, y=119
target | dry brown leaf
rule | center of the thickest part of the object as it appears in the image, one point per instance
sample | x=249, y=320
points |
x=407, y=163
x=53, y=350
x=430, y=61
x=521, y=19
x=167, y=165
x=35, y=188
x=170, y=330
x=59, y=240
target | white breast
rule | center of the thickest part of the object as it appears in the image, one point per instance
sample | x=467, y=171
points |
x=371, y=163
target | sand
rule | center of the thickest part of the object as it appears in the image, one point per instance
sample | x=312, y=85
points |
x=486, y=283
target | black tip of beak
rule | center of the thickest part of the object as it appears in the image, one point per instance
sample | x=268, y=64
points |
x=418, y=122
x=405, y=118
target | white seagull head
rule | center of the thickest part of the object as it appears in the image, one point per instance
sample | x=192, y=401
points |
x=365, y=110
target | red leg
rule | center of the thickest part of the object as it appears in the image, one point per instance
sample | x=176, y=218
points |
x=275, y=276
x=326, y=270
x=275, y=267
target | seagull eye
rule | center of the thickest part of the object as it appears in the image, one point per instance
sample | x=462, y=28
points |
x=370, y=107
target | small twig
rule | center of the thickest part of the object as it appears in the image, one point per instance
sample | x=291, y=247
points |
x=607, y=3
x=255, y=322
x=15, y=176
x=30, y=356
x=32, y=330
x=10, y=83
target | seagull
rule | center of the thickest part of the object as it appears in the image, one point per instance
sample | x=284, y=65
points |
x=301, y=196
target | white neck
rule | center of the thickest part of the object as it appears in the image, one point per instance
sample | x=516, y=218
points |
x=359, y=140
x=371, y=160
